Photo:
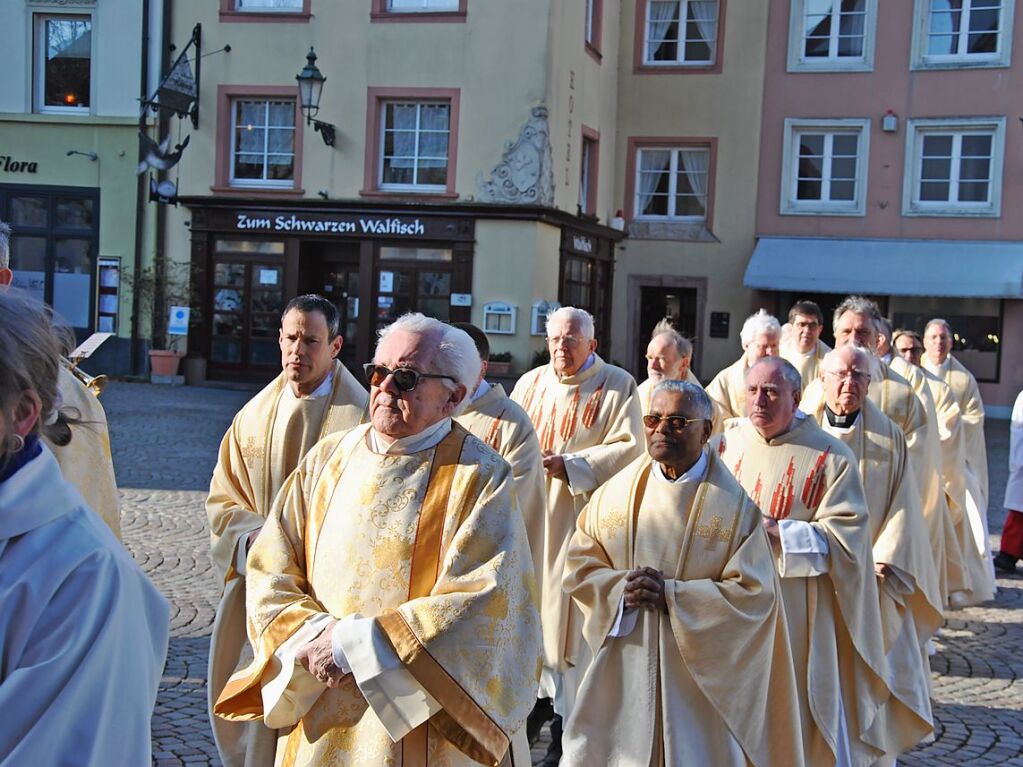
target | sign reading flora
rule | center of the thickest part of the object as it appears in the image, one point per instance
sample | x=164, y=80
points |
x=10, y=165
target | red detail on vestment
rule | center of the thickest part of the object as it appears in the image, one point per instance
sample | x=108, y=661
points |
x=548, y=431
x=737, y=470
x=569, y=418
x=593, y=404
x=493, y=437
x=721, y=447
x=527, y=399
x=757, y=489
x=784, y=493
x=813, y=487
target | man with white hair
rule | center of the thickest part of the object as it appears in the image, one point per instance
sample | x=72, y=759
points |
x=588, y=418
x=760, y=337
x=803, y=346
x=85, y=460
x=938, y=359
x=667, y=359
x=907, y=580
x=391, y=602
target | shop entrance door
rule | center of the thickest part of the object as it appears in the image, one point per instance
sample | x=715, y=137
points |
x=248, y=298
x=414, y=280
x=332, y=271
x=677, y=305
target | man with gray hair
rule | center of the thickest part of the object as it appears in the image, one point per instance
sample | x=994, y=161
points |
x=668, y=356
x=588, y=418
x=760, y=337
x=673, y=592
x=394, y=575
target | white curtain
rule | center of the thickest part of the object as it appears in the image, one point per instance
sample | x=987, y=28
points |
x=653, y=163
x=661, y=14
x=696, y=162
x=705, y=14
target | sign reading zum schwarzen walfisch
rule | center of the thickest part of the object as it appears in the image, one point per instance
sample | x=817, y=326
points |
x=341, y=224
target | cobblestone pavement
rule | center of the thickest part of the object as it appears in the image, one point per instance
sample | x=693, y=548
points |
x=165, y=445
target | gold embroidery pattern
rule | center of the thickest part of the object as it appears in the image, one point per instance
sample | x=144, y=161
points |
x=612, y=521
x=715, y=531
x=252, y=453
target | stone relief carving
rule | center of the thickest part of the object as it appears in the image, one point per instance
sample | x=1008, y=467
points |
x=525, y=175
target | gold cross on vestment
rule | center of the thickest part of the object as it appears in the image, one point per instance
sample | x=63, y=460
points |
x=715, y=531
x=252, y=451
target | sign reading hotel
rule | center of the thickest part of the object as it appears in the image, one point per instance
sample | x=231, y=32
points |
x=345, y=224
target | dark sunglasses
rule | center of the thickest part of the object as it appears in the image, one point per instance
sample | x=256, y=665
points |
x=406, y=379
x=675, y=422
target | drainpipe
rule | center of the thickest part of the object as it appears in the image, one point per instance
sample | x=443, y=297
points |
x=140, y=200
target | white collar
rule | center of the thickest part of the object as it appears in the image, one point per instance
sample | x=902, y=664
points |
x=586, y=365
x=695, y=474
x=414, y=443
x=321, y=391
x=482, y=389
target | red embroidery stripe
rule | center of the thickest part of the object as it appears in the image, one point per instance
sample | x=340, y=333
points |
x=593, y=404
x=568, y=420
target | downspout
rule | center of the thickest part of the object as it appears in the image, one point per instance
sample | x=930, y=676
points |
x=140, y=200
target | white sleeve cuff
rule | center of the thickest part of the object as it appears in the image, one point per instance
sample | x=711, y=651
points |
x=625, y=620
x=804, y=550
x=581, y=478
x=398, y=700
x=292, y=691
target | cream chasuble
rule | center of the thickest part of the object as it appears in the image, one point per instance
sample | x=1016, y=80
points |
x=833, y=615
x=503, y=425
x=86, y=461
x=807, y=364
x=971, y=408
x=429, y=545
x=646, y=390
x=266, y=441
x=728, y=392
x=709, y=682
x=913, y=412
x=911, y=603
x=596, y=417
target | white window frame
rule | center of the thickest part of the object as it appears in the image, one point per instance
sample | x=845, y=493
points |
x=676, y=157
x=256, y=183
x=683, y=16
x=426, y=6
x=790, y=205
x=915, y=130
x=921, y=32
x=798, y=62
x=266, y=9
x=382, y=128
x=38, y=21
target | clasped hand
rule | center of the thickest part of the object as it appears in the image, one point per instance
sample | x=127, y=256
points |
x=317, y=657
x=644, y=587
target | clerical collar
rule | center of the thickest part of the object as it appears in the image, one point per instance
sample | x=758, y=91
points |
x=582, y=368
x=414, y=443
x=321, y=391
x=695, y=474
x=841, y=421
x=482, y=389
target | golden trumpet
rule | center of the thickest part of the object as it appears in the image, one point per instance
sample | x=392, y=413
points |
x=95, y=384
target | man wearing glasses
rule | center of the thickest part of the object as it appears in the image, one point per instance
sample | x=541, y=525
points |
x=675, y=578
x=391, y=600
x=587, y=416
x=803, y=346
x=907, y=579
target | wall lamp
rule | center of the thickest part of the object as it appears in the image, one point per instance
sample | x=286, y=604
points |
x=310, y=88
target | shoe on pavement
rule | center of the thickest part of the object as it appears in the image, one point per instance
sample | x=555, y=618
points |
x=542, y=713
x=1005, y=563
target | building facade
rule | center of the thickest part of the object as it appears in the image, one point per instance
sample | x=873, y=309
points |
x=888, y=167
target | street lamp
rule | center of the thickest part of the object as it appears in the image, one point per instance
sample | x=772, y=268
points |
x=310, y=87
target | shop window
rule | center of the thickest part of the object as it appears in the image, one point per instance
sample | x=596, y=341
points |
x=53, y=247
x=413, y=280
x=976, y=329
x=63, y=63
x=586, y=284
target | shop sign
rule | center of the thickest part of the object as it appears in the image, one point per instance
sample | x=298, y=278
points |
x=582, y=244
x=386, y=226
x=9, y=164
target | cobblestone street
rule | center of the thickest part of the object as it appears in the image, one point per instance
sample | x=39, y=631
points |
x=165, y=445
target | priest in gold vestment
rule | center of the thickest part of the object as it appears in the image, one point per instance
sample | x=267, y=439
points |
x=588, y=418
x=667, y=359
x=807, y=484
x=501, y=423
x=314, y=396
x=391, y=599
x=760, y=336
x=911, y=605
x=676, y=582
x=803, y=347
x=938, y=359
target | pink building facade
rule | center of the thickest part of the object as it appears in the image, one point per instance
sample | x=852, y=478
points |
x=891, y=164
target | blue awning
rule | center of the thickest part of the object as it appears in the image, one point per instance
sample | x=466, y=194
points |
x=966, y=269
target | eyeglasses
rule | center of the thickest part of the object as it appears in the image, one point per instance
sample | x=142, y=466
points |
x=406, y=379
x=675, y=422
x=568, y=341
x=844, y=375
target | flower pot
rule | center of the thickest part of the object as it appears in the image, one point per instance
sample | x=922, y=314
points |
x=164, y=363
x=498, y=368
x=195, y=371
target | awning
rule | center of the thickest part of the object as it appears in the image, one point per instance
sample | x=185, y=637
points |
x=967, y=269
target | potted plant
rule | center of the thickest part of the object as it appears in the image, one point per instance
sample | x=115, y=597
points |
x=499, y=363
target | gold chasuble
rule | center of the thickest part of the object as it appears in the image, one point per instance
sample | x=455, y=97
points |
x=596, y=417
x=833, y=617
x=268, y=438
x=709, y=682
x=503, y=425
x=728, y=392
x=426, y=544
x=646, y=390
x=86, y=461
x=807, y=364
x=911, y=604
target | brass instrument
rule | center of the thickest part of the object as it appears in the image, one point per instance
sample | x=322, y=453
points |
x=95, y=384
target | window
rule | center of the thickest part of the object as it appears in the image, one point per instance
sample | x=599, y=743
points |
x=954, y=168
x=414, y=140
x=832, y=34
x=63, y=63
x=957, y=33
x=593, y=26
x=421, y=6
x=588, y=158
x=270, y=6
x=263, y=143
x=680, y=32
x=671, y=183
x=825, y=167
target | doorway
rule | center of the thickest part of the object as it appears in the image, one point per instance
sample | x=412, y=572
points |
x=676, y=305
x=331, y=269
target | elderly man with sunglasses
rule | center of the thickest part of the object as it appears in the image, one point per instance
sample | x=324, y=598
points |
x=675, y=579
x=391, y=593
